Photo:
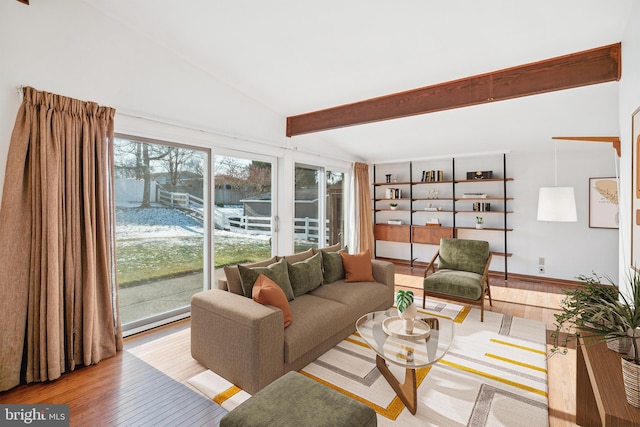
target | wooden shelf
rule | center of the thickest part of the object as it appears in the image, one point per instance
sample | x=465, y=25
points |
x=393, y=200
x=449, y=181
x=425, y=211
x=484, y=229
x=484, y=212
x=502, y=254
x=392, y=210
x=459, y=199
x=460, y=181
x=415, y=199
x=391, y=184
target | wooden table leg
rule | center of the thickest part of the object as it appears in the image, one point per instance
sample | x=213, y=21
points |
x=407, y=391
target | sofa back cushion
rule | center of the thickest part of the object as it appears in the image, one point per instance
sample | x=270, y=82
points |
x=357, y=268
x=278, y=272
x=267, y=292
x=300, y=256
x=332, y=268
x=305, y=275
x=234, y=285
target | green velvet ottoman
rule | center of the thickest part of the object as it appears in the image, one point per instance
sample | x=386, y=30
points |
x=295, y=400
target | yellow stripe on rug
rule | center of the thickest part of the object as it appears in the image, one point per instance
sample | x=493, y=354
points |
x=494, y=377
x=227, y=394
x=515, y=362
x=392, y=411
x=521, y=347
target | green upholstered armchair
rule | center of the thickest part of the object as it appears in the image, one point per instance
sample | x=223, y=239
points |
x=462, y=273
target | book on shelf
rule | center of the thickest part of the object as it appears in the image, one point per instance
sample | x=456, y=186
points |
x=474, y=196
x=394, y=221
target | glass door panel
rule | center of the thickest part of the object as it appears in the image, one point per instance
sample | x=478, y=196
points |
x=335, y=192
x=161, y=193
x=307, y=200
x=243, y=216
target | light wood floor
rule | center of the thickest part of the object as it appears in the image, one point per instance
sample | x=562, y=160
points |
x=146, y=384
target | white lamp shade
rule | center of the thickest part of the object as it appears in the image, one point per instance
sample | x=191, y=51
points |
x=557, y=204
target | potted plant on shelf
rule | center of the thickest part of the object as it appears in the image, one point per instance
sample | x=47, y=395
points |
x=599, y=312
x=407, y=310
x=479, y=222
x=393, y=206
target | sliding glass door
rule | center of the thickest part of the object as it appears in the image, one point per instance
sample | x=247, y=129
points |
x=162, y=217
x=243, y=214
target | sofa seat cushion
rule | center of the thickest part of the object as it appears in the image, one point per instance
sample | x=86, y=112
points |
x=361, y=297
x=314, y=321
x=463, y=284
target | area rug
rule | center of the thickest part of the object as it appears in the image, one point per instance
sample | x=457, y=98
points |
x=494, y=374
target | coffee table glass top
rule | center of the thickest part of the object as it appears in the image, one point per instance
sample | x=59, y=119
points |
x=407, y=353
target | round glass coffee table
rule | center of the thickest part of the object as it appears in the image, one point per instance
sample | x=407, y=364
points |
x=408, y=353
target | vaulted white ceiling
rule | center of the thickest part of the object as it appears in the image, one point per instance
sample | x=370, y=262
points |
x=297, y=56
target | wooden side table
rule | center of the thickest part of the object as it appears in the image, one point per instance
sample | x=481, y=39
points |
x=600, y=397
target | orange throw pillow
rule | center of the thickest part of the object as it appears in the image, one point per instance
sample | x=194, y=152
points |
x=357, y=268
x=267, y=292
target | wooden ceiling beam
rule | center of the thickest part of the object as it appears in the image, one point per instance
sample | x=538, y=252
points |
x=588, y=67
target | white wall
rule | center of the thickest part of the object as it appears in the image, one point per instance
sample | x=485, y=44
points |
x=629, y=102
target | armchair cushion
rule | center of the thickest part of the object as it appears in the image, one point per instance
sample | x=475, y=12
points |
x=463, y=284
x=465, y=255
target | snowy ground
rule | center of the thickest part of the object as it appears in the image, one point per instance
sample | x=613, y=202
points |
x=133, y=222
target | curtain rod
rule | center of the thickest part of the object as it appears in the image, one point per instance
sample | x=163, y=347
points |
x=214, y=132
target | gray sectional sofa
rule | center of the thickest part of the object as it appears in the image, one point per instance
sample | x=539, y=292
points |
x=246, y=343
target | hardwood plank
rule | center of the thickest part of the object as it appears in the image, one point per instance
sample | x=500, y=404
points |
x=588, y=67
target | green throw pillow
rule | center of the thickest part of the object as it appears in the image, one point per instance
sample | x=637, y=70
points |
x=332, y=266
x=278, y=272
x=306, y=275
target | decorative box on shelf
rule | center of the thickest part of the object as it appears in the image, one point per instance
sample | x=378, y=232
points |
x=480, y=175
x=394, y=221
x=433, y=222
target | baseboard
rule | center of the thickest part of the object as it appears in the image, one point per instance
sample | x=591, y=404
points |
x=523, y=277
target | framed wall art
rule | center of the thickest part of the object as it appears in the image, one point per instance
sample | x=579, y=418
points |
x=603, y=203
x=635, y=187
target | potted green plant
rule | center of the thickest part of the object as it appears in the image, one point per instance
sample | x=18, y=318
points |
x=479, y=222
x=393, y=206
x=598, y=312
x=407, y=310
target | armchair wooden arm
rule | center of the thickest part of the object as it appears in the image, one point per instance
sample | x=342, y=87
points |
x=432, y=263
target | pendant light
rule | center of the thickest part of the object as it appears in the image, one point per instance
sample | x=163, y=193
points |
x=557, y=204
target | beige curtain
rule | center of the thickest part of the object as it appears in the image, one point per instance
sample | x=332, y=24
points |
x=58, y=295
x=363, y=203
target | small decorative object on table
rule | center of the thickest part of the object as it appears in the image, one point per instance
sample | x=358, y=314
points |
x=479, y=222
x=407, y=310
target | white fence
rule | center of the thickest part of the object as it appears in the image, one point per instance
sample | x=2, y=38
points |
x=304, y=228
x=182, y=200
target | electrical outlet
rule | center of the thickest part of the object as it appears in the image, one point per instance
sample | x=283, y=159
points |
x=541, y=269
